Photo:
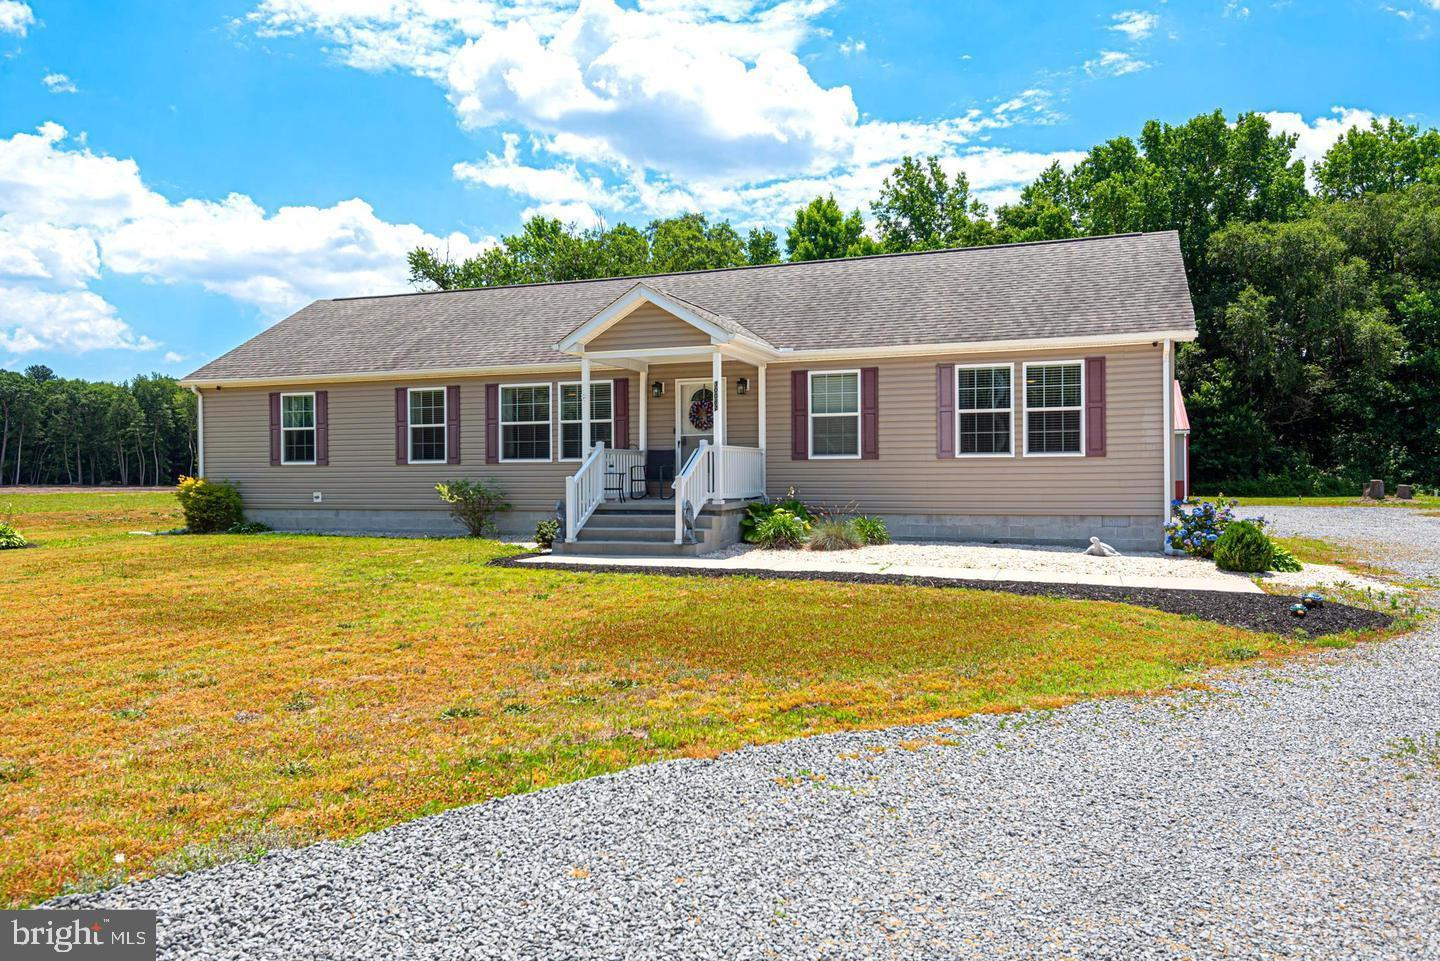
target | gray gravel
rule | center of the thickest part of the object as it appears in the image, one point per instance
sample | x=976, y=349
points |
x=1262, y=819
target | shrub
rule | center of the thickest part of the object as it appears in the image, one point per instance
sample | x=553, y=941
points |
x=547, y=533
x=1282, y=560
x=1244, y=547
x=1196, y=530
x=249, y=527
x=473, y=503
x=209, y=506
x=781, y=529
x=872, y=530
x=10, y=538
x=759, y=511
x=834, y=535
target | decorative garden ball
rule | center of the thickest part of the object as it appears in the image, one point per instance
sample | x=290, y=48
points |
x=1298, y=610
x=1312, y=599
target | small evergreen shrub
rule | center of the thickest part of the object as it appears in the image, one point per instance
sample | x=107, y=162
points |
x=872, y=530
x=834, y=535
x=547, y=533
x=1244, y=547
x=210, y=507
x=249, y=527
x=474, y=503
x=10, y=538
x=781, y=530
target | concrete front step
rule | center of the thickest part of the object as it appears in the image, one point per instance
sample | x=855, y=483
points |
x=614, y=548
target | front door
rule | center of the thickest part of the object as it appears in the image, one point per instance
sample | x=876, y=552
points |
x=694, y=417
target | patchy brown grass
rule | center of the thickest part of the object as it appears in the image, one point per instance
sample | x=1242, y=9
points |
x=183, y=700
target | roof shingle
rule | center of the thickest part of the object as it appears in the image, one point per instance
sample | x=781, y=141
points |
x=1123, y=284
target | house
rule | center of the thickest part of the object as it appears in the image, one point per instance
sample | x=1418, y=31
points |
x=1019, y=393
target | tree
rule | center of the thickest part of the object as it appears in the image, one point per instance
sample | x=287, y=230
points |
x=1379, y=159
x=821, y=231
x=691, y=242
x=921, y=208
x=762, y=247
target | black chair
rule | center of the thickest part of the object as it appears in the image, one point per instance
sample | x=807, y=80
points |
x=659, y=470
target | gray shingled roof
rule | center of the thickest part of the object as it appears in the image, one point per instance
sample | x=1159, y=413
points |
x=1125, y=284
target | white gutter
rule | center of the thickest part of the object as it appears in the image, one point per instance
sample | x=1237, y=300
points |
x=987, y=346
x=199, y=431
x=1167, y=441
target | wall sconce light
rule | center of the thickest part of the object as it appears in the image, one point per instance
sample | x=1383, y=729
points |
x=657, y=389
x=742, y=386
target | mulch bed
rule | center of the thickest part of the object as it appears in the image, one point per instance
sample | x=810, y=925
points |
x=1267, y=613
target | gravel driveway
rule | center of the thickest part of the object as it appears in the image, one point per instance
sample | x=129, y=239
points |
x=1263, y=819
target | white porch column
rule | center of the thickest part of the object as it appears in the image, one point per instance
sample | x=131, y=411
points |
x=644, y=401
x=718, y=458
x=760, y=386
x=1167, y=422
x=584, y=407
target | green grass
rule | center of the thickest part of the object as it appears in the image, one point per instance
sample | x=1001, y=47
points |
x=1421, y=501
x=182, y=700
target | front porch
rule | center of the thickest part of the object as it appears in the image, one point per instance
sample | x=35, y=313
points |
x=701, y=437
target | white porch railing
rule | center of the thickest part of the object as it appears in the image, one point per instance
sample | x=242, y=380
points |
x=622, y=459
x=584, y=490
x=694, y=487
x=742, y=472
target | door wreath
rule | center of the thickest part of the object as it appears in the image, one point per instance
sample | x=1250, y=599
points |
x=702, y=410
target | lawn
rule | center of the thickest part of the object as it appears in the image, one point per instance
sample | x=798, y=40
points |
x=1422, y=501
x=170, y=702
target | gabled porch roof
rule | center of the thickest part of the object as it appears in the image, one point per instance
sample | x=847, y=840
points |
x=722, y=330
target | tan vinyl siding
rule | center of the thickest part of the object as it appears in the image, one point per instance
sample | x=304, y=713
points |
x=362, y=474
x=648, y=327
x=908, y=477
x=743, y=414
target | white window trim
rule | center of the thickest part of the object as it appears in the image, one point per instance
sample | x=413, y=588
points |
x=955, y=393
x=500, y=420
x=410, y=425
x=313, y=429
x=810, y=414
x=1059, y=362
x=560, y=415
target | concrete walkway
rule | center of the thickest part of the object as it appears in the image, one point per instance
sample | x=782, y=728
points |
x=762, y=561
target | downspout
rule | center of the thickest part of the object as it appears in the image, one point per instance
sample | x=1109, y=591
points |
x=1167, y=445
x=199, y=431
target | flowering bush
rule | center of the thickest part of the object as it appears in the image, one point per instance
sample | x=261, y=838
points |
x=1195, y=528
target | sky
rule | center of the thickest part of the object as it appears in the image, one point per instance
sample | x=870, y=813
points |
x=174, y=177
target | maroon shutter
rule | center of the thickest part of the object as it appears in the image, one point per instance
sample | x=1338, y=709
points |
x=870, y=413
x=492, y=423
x=620, y=407
x=944, y=410
x=274, y=430
x=1094, y=406
x=799, y=415
x=452, y=424
x=322, y=428
x=402, y=426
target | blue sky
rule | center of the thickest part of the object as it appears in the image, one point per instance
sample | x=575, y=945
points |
x=174, y=177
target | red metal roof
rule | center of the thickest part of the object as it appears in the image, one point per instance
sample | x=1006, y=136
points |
x=1182, y=419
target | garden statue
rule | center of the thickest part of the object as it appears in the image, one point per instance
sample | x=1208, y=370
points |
x=1100, y=549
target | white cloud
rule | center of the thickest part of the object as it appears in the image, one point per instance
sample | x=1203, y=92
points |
x=1315, y=137
x=59, y=83
x=69, y=215
x=1115, y=63
x=658, y=107
x=1136, y=25
x=850, y=46
x=1236, y=9
x=15, y=17
x=173, y=358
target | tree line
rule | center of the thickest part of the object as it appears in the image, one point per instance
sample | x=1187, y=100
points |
x=55, y=430
x=1317, y=292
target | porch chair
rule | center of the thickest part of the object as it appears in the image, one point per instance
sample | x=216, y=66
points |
x=659, y=470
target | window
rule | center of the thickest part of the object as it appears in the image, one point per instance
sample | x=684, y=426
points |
x=525, y=422
x=427, y=425
x=297, y=428
x=983, y=411
x=835, y=414
x=602, y=418
x=1054, y=395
